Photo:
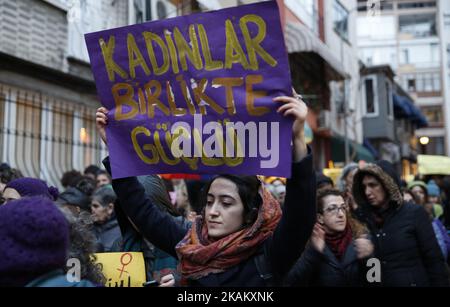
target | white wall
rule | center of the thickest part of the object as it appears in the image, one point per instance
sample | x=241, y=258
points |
x=376, y=28
x=305, y=10
x=90, y=16
x=348, y=54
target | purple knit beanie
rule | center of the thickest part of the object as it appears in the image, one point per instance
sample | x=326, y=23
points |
x=34, y=240
x=33, y=187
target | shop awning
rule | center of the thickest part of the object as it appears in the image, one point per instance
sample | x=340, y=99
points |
x=368, y=145
x=338, y=150
x=401, y=107
x=433, y=165
x=300, y=39
x=405, y=108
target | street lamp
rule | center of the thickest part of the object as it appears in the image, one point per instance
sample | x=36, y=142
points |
x=424, y=140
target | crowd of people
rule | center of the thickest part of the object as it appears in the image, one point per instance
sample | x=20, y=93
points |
x=230, y=230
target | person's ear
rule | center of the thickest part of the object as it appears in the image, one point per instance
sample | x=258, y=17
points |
x=320, y=218
x=110, y=208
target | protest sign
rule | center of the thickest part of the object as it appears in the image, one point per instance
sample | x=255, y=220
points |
x=122, y=269
x=433, y=165
x=193, y=94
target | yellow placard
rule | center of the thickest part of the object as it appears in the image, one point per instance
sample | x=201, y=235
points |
x=333, y=173
x=122, y=269
x=433, y=165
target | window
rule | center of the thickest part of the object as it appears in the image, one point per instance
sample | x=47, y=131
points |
x=62, y=133
x=339, y=92
x=420, y=84
x=306, y=11
x=146, y=10
x=434, y=115
x=341, y=20
x=423, y=25
x=404, y=56
x=385, y=5
x=142, y=10
x=416, y=5
x=411, y=85
x=362, y=5
x=436, y=146
x=40, y=135
x=440, y=144
x=428, y=82
x=448, y=55
x=434, y=51
x=370, y=97
x=27, y=128
x=421, y=55
x=83, y=17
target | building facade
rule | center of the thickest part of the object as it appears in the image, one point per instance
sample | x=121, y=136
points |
x=411, y=41
x=47, y=93
x=321, y=42
x=444, y=28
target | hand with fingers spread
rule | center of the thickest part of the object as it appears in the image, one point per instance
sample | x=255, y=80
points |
x=363, y=247
x=167, y=281
x=101, y=120
x=318, y=238
x=297, y=108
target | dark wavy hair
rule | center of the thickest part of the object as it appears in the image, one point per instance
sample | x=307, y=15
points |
x=248, y=190
x=83, y=246
x=71, y=178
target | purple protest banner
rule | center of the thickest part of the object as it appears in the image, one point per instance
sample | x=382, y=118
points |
x=193, y=94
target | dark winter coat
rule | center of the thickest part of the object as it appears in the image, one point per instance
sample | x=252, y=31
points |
x=406, y=244
x=107, y=234
x=325, y=270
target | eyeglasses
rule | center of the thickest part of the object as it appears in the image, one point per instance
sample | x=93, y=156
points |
x=335, y=209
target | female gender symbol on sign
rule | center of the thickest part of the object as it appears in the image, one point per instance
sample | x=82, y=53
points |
x=124, y=264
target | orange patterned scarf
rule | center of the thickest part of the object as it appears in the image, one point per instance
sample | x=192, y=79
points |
x=200, y=256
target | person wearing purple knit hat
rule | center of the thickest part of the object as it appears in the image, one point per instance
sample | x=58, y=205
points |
x=34, y=243
x=27, y=186
x=34, y=239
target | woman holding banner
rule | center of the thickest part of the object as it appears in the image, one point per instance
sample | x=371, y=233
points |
x=241, y=239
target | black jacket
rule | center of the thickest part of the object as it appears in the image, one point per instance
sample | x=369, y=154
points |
x=407, y=249
x=405, y=244
x=325, y=270
x=107, y=234
x=281, y=250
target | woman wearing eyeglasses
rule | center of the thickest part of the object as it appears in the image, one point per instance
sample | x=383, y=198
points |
x=337, y=250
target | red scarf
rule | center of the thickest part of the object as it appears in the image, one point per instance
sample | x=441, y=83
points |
x=339, y=242
x=200, y=256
